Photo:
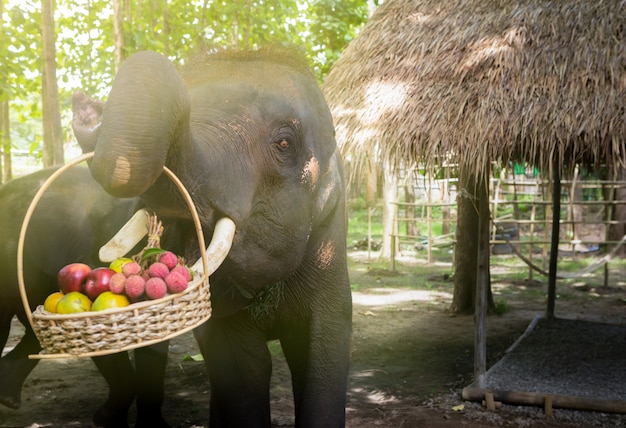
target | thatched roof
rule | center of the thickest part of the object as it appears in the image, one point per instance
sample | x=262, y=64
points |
x=485, y=80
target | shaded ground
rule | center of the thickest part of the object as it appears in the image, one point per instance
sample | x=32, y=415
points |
x=410, y=359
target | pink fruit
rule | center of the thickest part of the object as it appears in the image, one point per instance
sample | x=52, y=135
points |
x=169, y=259
x=116, y=285
x=135, y=286
x=184, y=271
x=158, y=270
x=131, y=268
x=175, y=282
x=155, y=288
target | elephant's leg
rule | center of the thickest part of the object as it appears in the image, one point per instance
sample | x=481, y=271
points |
x=119, y=374
x=319, y=361
x=150, y=364
x=6, y=315
x=16, y=366
x=239, y=366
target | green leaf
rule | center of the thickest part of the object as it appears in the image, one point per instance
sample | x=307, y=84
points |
x=151, y=252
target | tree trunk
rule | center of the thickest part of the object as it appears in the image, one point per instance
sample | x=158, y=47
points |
x=469, y=223
x=5, y=141
x=372, y=182
x=5, y=136
x=118, y=33
x=390, y=197
x=52, y=131
x=409, y=209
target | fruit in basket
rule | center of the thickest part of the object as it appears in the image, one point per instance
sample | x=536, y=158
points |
x=155, y=288
x=169, y=259
x=50, y=304
x=184, y=271
x=73, y=302
x=117, y=283
x=175, y=282
x=135, y=286
x=158, y=270
x=108, y=300
x=71, y=277
x=118, y=263
x=131, y=268
x=97, y=282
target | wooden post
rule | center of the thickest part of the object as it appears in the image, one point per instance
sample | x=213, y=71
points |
x=370, y=211
x=392, y=259
x=547, y=406
x=539, y=399
x=547, y=209
x=533, y=214
x=482, y=288
x=490, y=403
x=429, y=214
x=554, y=243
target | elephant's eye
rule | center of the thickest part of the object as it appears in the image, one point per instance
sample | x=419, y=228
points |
x=283, y=144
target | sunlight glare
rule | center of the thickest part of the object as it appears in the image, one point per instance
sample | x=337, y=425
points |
x=390, y=296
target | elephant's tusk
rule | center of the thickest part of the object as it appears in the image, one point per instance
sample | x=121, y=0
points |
x=219, y=246
x=128, y=236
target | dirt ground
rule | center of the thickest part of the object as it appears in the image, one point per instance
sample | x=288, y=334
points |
x=411, y=358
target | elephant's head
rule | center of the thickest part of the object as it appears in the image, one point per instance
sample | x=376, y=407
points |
x=250, y=136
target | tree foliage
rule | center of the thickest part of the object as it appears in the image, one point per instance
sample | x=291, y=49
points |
x=179, y=29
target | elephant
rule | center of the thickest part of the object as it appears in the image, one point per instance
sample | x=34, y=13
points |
x=251, y=137
x=72, y=219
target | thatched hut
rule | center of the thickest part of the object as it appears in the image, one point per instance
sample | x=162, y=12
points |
x=482, y=81
x=532, y=80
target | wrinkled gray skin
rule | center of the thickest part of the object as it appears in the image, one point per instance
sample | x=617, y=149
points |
x=72, y=220
x=251, y=137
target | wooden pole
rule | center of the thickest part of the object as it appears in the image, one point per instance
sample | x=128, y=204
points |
x=482, y=287
x=429, y=214
x=554, y=244
x=539, y=399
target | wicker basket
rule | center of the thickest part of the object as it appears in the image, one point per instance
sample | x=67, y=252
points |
x=89, y=334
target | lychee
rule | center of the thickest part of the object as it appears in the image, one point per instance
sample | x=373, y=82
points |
x=158, y=270
x=135, y=286
x=155, y=288
x=169, y=259
x=184, y=271
x=131, y=268
x=117, y=282
x=175, y=282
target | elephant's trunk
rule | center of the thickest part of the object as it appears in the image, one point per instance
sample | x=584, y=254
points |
x=147, y=109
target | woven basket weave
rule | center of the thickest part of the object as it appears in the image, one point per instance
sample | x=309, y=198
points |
x=89, y=334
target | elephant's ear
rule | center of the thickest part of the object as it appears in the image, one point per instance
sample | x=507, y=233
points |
x=86, y=121
x=330, y=191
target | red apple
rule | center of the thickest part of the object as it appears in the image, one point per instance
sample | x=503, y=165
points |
x=71, y=277
x=98, y=282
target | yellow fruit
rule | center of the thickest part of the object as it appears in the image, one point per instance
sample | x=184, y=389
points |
x=117, y=264
x=50, y=304
x=73, y=303
x=108, y=300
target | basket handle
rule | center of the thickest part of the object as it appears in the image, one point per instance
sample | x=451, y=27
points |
x=46, y=185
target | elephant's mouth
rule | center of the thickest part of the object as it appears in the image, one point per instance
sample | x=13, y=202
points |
x=135, y=229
